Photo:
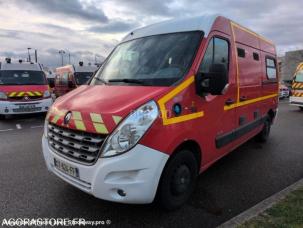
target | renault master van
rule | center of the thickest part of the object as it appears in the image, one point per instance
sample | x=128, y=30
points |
x=170, y=100
x=23, y=88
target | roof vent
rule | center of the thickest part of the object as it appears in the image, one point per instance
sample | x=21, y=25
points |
x=81, y=63
x=8, y=60
x=20, y=60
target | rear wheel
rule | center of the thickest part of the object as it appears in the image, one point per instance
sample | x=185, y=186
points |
x=178, y=180
x=264, y=134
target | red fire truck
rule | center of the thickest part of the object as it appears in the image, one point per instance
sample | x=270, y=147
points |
x=23, y=88
x=169, y=101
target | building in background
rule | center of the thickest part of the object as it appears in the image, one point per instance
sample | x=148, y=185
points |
x=287, y=65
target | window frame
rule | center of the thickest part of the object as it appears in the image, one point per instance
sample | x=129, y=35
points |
x=275, y=67
x=212, y=39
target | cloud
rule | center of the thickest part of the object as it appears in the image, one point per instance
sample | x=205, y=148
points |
x=113, y=27
x=68, y=8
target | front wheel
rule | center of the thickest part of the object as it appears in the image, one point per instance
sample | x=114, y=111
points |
x=2, y=117
x=264, y=134
x=178, y=180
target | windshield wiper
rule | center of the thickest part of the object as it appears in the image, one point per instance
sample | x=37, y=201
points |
x=101, y=80
x=127, y=80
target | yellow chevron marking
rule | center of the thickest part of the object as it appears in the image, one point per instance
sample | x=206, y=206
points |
x=12, y=94
x=96, y=117
x=100, y=128
x=55, y=119
x=117, y=119
x=77, y=115
x=38, y=93
x=78, y=121
x=20, y=94
x=30, y=94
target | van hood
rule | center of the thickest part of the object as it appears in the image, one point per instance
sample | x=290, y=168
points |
x=103, y=105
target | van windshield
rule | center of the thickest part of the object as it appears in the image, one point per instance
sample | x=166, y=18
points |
x=299, y=76
x=82, y=77
x=159, y=60
x=22, y=77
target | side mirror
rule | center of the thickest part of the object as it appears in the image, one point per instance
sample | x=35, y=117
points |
x=70, y=84
x=213, y=82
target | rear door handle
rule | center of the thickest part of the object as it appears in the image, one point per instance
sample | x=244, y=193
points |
x=243, y=98
x=229, y=101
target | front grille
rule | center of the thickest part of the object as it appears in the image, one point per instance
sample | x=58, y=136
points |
x=25, y=98
x=78, y=146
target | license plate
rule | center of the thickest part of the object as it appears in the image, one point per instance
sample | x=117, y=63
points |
x=67, y=169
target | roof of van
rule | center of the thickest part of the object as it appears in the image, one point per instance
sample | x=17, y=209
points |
x=91, y=68
x=199, y=23
x=21, y=66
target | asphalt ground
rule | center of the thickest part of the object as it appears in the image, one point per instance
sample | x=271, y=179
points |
x=237, y=182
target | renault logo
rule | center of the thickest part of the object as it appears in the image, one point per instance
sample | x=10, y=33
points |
x=67, y=117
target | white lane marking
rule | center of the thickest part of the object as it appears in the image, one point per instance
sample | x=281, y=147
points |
x=6, y=130
x=18, y=126
x=39, y=126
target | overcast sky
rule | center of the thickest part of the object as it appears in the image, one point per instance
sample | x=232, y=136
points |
x=86, y=28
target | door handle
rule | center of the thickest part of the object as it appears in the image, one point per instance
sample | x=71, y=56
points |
x=229, y=101
x=243, y=98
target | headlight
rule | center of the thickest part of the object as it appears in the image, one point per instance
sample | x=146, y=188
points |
x=3, y=96
x=46, y=94
x=130, y=130
x=45, y=128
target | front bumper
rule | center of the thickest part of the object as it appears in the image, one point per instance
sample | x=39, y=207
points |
x=297, y=101
x=136, y=173
x=7, y=107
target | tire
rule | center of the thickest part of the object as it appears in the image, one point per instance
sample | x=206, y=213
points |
x=301, y=108
x=178, y=180
x=2, y=117
x=264, y=134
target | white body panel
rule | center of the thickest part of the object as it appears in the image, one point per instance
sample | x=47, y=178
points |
x=200, y=23
x=21, y=66
x=136, y=172
x=297, y=101
x=7, y=107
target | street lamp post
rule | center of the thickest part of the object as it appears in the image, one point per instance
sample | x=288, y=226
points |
x=62, y=52
x=29, y=56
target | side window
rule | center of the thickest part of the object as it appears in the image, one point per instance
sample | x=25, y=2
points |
x=217, y=52
x=271, y=69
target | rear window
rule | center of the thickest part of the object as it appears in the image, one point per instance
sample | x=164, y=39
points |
x=271, y=70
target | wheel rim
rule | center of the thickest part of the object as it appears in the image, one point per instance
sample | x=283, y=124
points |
x=181, y=180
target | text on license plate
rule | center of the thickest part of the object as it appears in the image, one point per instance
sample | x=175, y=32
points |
x=65, y=168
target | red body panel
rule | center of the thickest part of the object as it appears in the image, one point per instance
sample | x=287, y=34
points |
x=247, y=79
x=23, y=88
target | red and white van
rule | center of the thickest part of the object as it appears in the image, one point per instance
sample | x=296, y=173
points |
x=23, y=88
x=70, y=77
x=170, y=100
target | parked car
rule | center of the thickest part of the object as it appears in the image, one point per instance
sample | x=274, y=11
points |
x=170, y=100
x=283, y=91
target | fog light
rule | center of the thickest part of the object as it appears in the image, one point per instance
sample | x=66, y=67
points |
x=121, y=192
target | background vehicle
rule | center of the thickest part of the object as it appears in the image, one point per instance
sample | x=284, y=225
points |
x=70, y=77
x=170, y=100
x=283, y=91
x=23, y=88
x=297, y=88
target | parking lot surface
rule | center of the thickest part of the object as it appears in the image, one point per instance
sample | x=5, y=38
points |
x=245, y=177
